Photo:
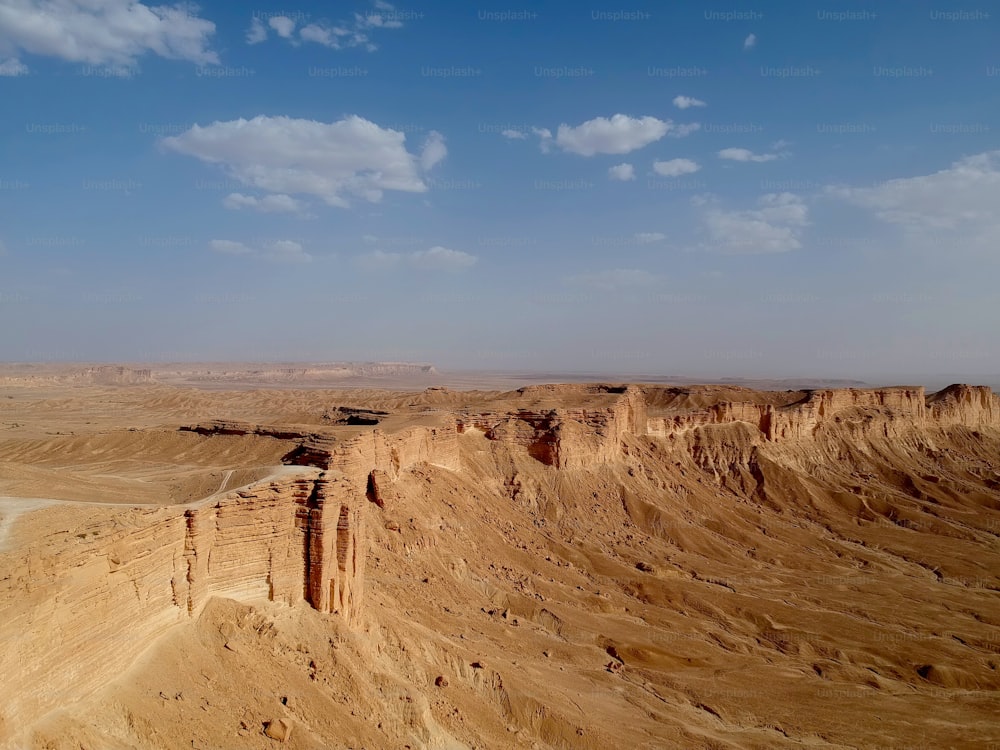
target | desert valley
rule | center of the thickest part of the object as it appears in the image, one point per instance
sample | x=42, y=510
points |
x=253, y=558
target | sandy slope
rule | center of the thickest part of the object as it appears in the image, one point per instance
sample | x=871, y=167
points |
x=707, y=588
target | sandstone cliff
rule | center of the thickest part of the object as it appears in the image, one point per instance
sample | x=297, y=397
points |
x=101, y=584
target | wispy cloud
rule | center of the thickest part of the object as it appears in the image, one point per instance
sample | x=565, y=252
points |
x=344, y=34
x=12, y=67
x=675, y=167
x=622, y=172
x=686, y=102
x=959, y=203
x=281, y=251
x=269, y=204
x=745, y=155
x=775, y=226
x=436, y=258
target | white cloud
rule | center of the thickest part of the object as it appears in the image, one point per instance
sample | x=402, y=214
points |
x=775, y=226
x=545, y=138
x=378, y=20
x=269, y=204
x=100, y=32
x=647, y=238
x=516, y=135
x=623, y=172
x=257, y=32
x=619, y=134
x=683, y=130
x=684, y=102
x=958, y=203
x=283, y=25
x=615, y=280
x=675, y=167
x=352, y=157
x=325, y=35
x=13, y=67
x=229, y=247
x=343, y=34
x=750, y=42
x=433, y=151
x=745, y=154
x=442, y=258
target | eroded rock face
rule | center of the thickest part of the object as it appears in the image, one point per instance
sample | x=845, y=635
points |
x=566, y=437
x=884, y=410
x=87, y=598
x=969, y=405
x=83, y=605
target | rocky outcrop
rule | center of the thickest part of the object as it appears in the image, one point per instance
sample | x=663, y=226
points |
x=85, y=600
x=89, y=595
x=566, y=437
x=395, y=452
x=969, y=405
x=229, y=427
x=892, y=405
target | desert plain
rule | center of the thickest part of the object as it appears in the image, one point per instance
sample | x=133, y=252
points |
x=376, y=556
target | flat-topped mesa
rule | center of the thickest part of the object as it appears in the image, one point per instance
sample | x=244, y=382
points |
x=394, y=452
x=231, y=427
x=905, y=404
x=566, y=437
x=885, y=411
x=969, y=405
x=97, y=375
x=759, y=415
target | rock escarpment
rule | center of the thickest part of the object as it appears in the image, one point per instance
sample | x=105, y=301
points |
x=97, y=375
x=98, y=584
x=97, y=588
x=566, y=437
x=884, y=410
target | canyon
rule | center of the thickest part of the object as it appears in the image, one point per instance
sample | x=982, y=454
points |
x=575, y=565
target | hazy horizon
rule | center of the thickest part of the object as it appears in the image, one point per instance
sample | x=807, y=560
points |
x=489, y=378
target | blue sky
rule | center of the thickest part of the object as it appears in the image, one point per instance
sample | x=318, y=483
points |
x=781, y=189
